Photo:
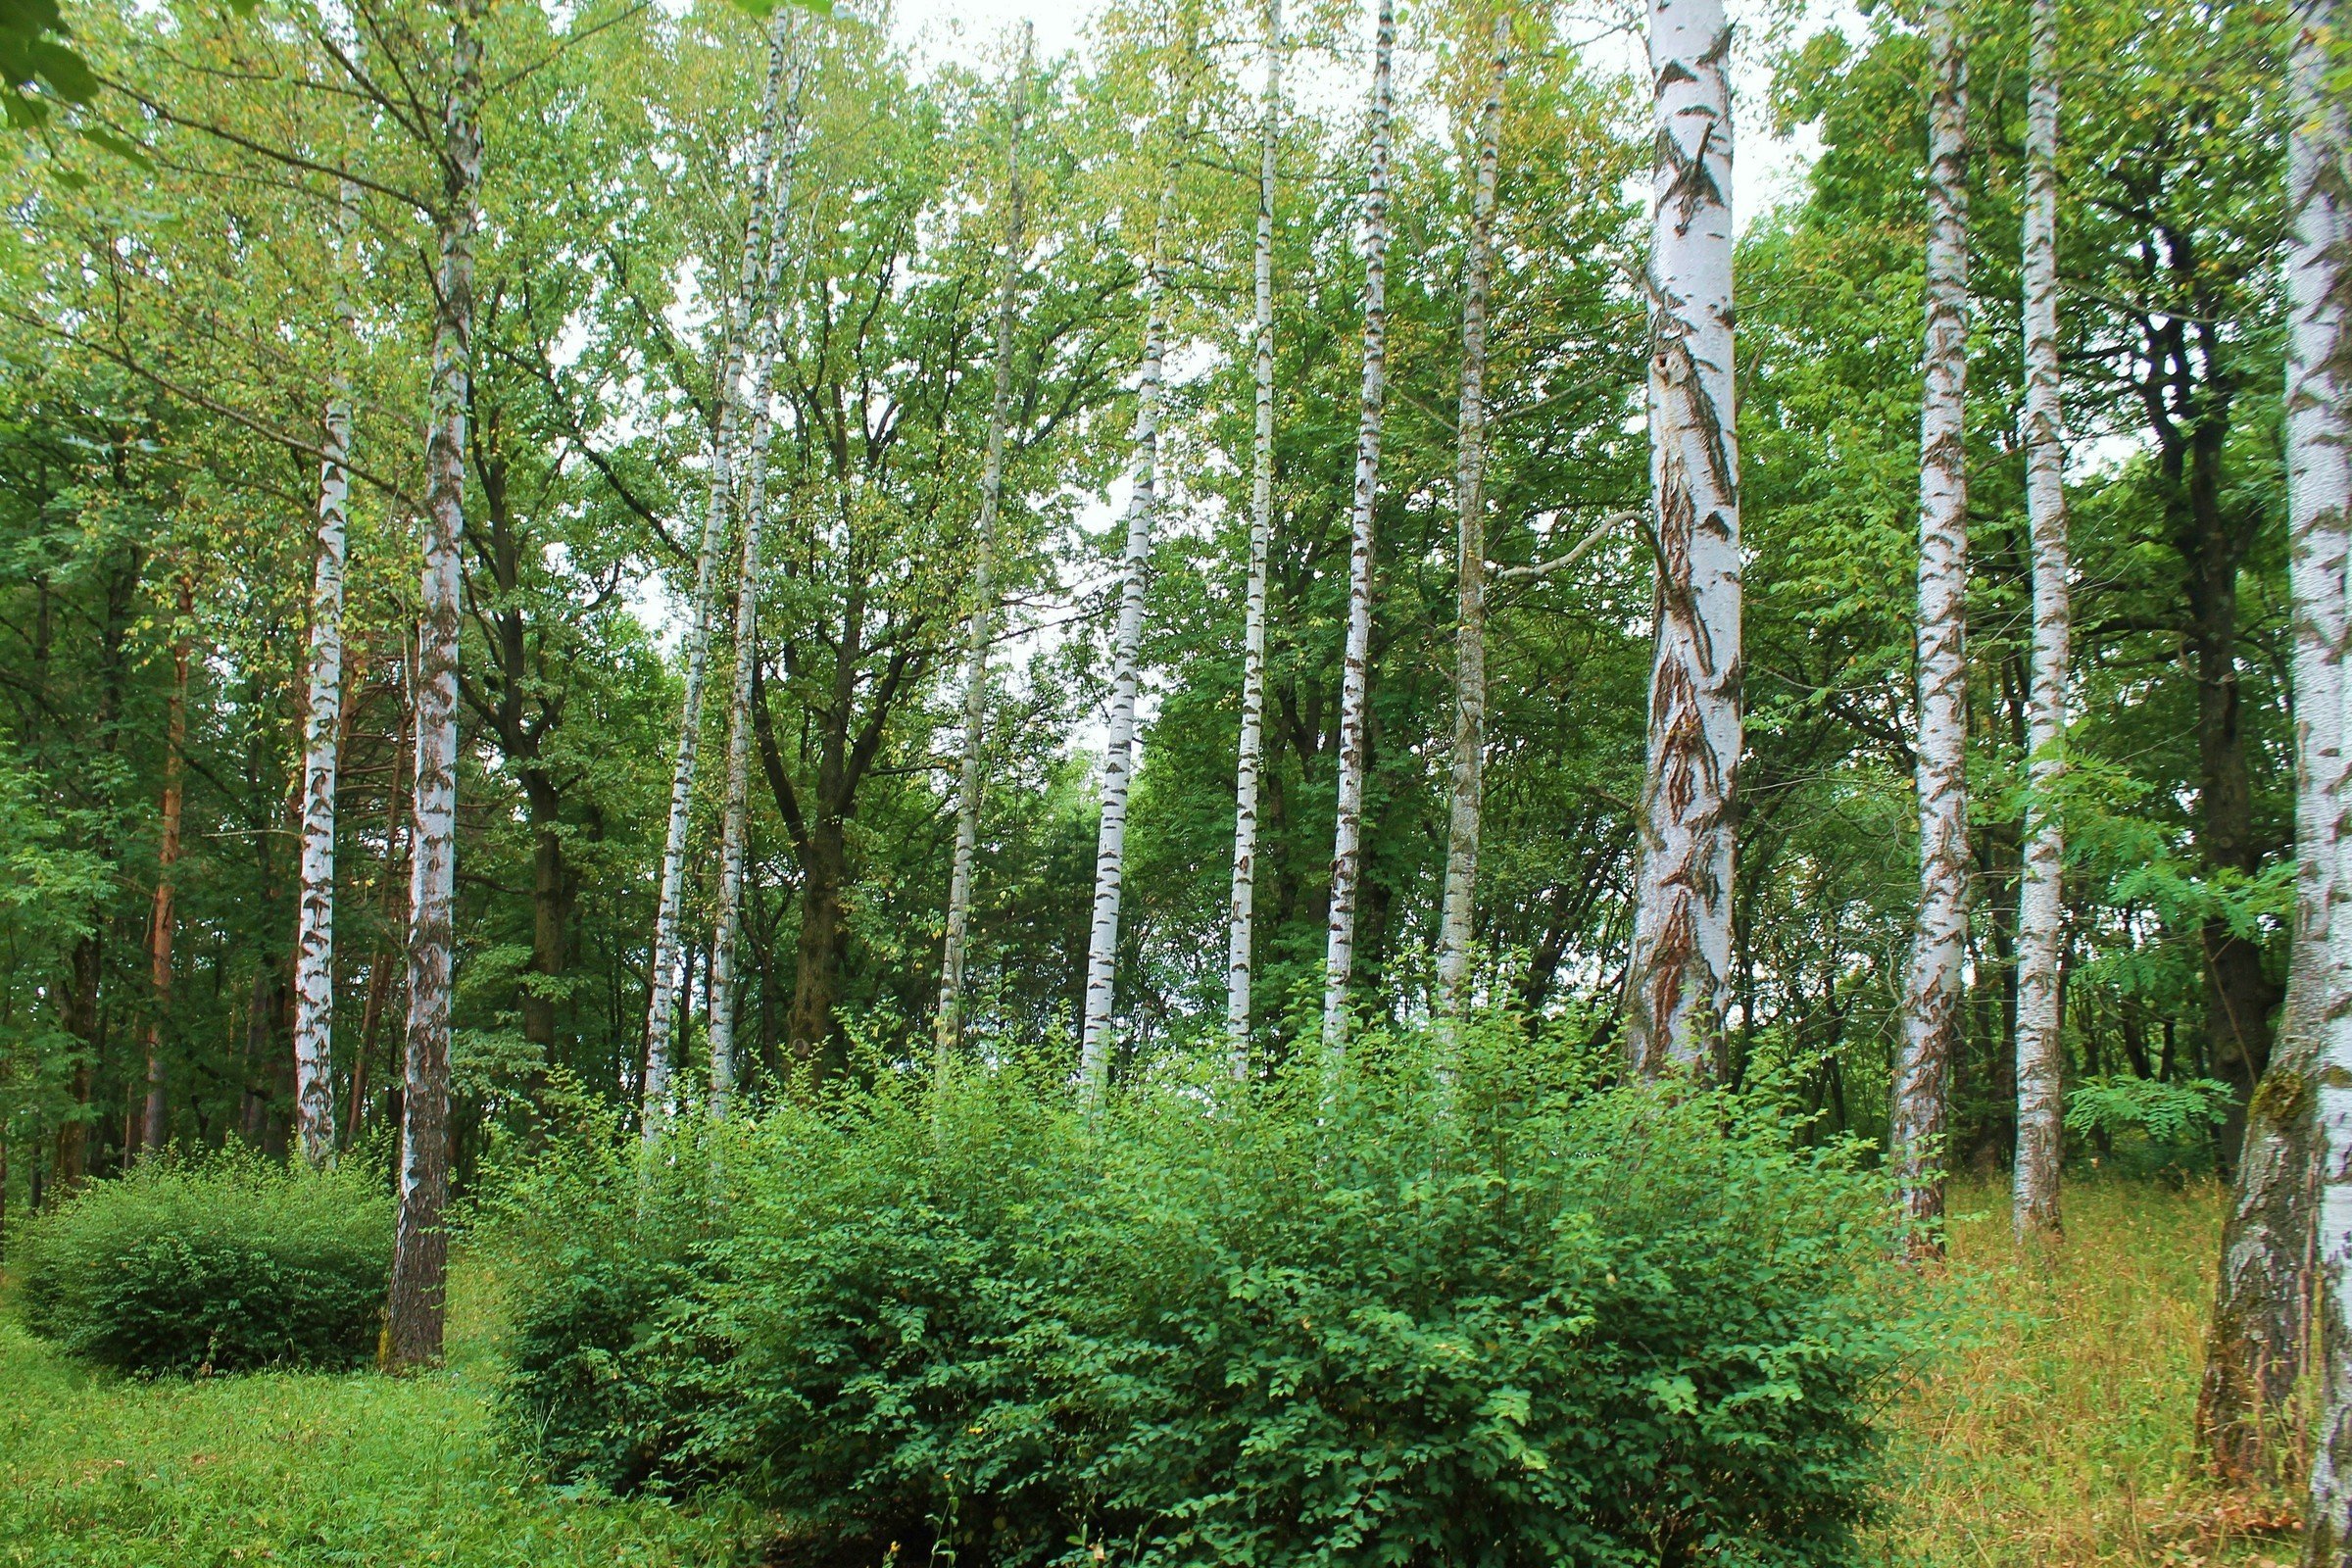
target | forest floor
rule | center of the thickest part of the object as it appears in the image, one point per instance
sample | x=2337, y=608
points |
x=2056, y=1436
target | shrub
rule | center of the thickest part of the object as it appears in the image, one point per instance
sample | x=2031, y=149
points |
x=1487, y=1315
x=221, y=1264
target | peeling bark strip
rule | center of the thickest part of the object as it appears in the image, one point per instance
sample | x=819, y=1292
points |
x=2041, y=904
x=1932, y=992
x=1468, y=788
x=1679, y=976
x=1118, y=756
x=413, y=1311
x=1346, y=850
x=155, y=1127
x=948, y=1027
x=735, y=814
x=315, y=933
x=661, y=1004
x=2318, y=483
x=1239, y=968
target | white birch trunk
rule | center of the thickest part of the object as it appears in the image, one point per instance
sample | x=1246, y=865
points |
x=1934, y=989
x=1238, y=967
x=1346, y=850
x=414, y=1313
x=1468, y=787
x=948, y=1027
x=664, y=975
x=2318, y=475
x=1118, y=754
x=2041, y=904
x=1678, y=975
x=314, y=929
x=735, y=813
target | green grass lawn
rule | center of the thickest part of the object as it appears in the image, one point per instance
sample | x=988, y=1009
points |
x=2056, y=1435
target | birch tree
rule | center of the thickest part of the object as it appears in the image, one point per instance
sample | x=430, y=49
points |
x=978, y=626
x=1934, y=984
x=315, y=934
x=413, y=1311
x=1239, y=968
x=2318, y=476
x=661, y=1007
x=1118, y=753
x=1468, y=779
x=1678, y=975
x=1339, y=954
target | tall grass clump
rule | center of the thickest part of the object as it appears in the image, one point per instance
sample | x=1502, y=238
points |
x=222, y=1263
x=1456, y=1304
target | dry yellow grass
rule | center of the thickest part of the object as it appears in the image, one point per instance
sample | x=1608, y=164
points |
x=2056, y=1432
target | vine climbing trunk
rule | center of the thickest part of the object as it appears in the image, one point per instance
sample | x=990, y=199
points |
x=1346, y=850
x=978, y=627
x=1677, y=977
x=1118, y=753
x=155, y=1123
x=414, y=1305
x=662, y=979
x=1467, y=791
x=1933, y=986
x=1238, y=964
x=2040, y=903
x=315, y=933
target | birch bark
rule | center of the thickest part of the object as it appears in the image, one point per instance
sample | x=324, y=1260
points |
x=1118, y=756
x=735, y=814
x=2319, y=478
x=2041, y=906
x=1238, y=964
x=1346, y=850
x=315, y=934
x=949, y=1028
x=1679, y=975
x=1468, y=787
x=1933, y=989
x=413, y=1308
x=155, y=1126
x=662, y=1003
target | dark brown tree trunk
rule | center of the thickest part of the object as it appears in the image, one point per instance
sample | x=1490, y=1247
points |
x=823, y=944
x=155, y=1126
x=551, y=914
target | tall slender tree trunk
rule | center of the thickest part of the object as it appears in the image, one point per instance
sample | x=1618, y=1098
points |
x=155, y=1127
x=735, y=813
x=1468, y=788
x=315, y=935
x=1346, y=850
x=2040, y=903
x=1118, y=755
x=1679, y=974
x=665, y=974
x=1933, y=989
x=2318, y=476
x=1240, y=969
x=977, y=628
x=414, y=1305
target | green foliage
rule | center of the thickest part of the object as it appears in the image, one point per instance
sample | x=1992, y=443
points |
x=224, y=1264
x=1445, y=1309
x=2169, y=1113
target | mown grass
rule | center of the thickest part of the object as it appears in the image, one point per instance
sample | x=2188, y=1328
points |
x=2055, y=1433
x=2056, y=1429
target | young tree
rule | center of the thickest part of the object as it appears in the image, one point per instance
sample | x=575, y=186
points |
x=415, y=1309
x=1935, y=986
x=1339, y=954
x=1678, y=976
x=2040, y=906
x=741, y=309
x=978, y=625
x=1239, y=968
x=155, y=1127
x=1468, y=779
x=315, y=935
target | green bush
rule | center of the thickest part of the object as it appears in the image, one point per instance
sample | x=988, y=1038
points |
x=1485, y=1315
x=221, y=1264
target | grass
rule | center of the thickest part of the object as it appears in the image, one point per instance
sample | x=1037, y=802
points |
x=2057, y=1432
x=2055, y=1435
